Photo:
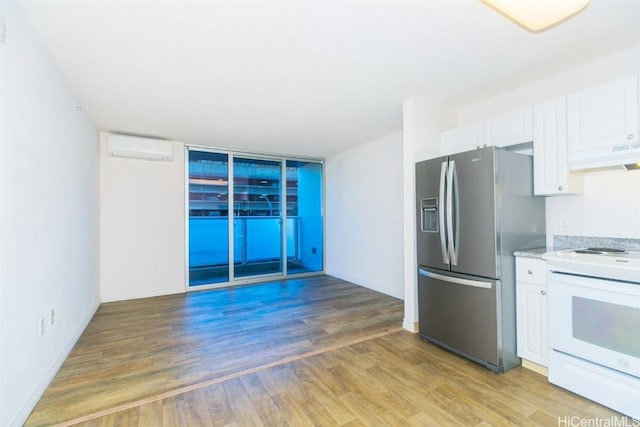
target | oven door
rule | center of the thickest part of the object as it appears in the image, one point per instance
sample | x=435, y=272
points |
x=595, y=319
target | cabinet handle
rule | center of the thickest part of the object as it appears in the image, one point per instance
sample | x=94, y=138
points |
x=630, y=136
x=561, y=188
x=529, y=271
x=543, y=292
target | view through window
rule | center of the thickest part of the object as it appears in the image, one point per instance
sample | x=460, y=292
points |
x=274, y=204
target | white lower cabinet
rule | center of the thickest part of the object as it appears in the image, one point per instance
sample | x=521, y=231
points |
x=531, y=309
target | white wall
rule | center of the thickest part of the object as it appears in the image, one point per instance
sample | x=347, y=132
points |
x=420, y=140
x=606, y=69
x=611, y=201
x=48, y=228
x=364, y=209
x=142, y=225
x=609, y=207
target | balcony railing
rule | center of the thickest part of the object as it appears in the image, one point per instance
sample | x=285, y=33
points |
x=256, y=239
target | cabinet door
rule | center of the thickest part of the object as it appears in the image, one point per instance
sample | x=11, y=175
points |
x=603, y=116
x=462, y=138
x=550, y=164
x=531, y=270
x=531, y=306
x=508, y=129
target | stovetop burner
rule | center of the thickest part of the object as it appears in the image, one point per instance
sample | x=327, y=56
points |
x=601, y=251
x=617, y=264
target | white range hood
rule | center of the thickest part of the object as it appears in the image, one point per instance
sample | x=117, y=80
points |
x=618, y=155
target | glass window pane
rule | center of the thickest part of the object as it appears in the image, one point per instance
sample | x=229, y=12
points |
x=304, y=217
x=257, y=233
x=208, y=218
x=257, y=210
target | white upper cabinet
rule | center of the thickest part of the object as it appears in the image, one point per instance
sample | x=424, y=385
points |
x=462, y=138
x=507, y=129
x=511, y=128
x=551, y=174
x=593, y=128
x=602, y=125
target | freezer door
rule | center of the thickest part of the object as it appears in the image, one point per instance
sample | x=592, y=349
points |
x=474, y=213
x=461, y=314
x=431, y=213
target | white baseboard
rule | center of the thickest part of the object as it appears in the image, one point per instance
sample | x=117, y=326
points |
x=410, y=326
x=31, y=403
x=542, y=370
x=373, y=286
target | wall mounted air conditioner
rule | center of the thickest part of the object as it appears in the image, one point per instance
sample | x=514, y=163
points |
x=139, y=147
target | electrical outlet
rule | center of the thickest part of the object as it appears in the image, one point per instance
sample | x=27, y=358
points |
x=42, y=326
x=3, y=30
x=52, y=317
x=564, y=224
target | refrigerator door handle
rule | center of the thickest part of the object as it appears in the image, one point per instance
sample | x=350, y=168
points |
x=456, y=280
x=456, y=215
x=452, y=244
x=443, y=241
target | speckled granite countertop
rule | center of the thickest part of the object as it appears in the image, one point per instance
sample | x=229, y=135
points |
x=577, y=242
x=531, y=253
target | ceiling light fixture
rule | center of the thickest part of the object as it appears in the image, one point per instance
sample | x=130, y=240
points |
x=537, y=15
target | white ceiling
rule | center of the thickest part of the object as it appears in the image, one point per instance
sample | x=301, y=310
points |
x=302, y=77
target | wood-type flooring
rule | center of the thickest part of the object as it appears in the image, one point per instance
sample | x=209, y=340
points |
x=316, y=351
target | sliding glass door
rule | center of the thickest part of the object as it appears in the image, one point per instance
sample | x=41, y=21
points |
x=257, y=231
x=252, y=217
x=208, y=218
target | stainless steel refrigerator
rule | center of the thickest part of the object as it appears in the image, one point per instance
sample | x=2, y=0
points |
x=474, y=209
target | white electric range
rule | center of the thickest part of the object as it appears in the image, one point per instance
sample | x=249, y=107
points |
x=594, y=325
